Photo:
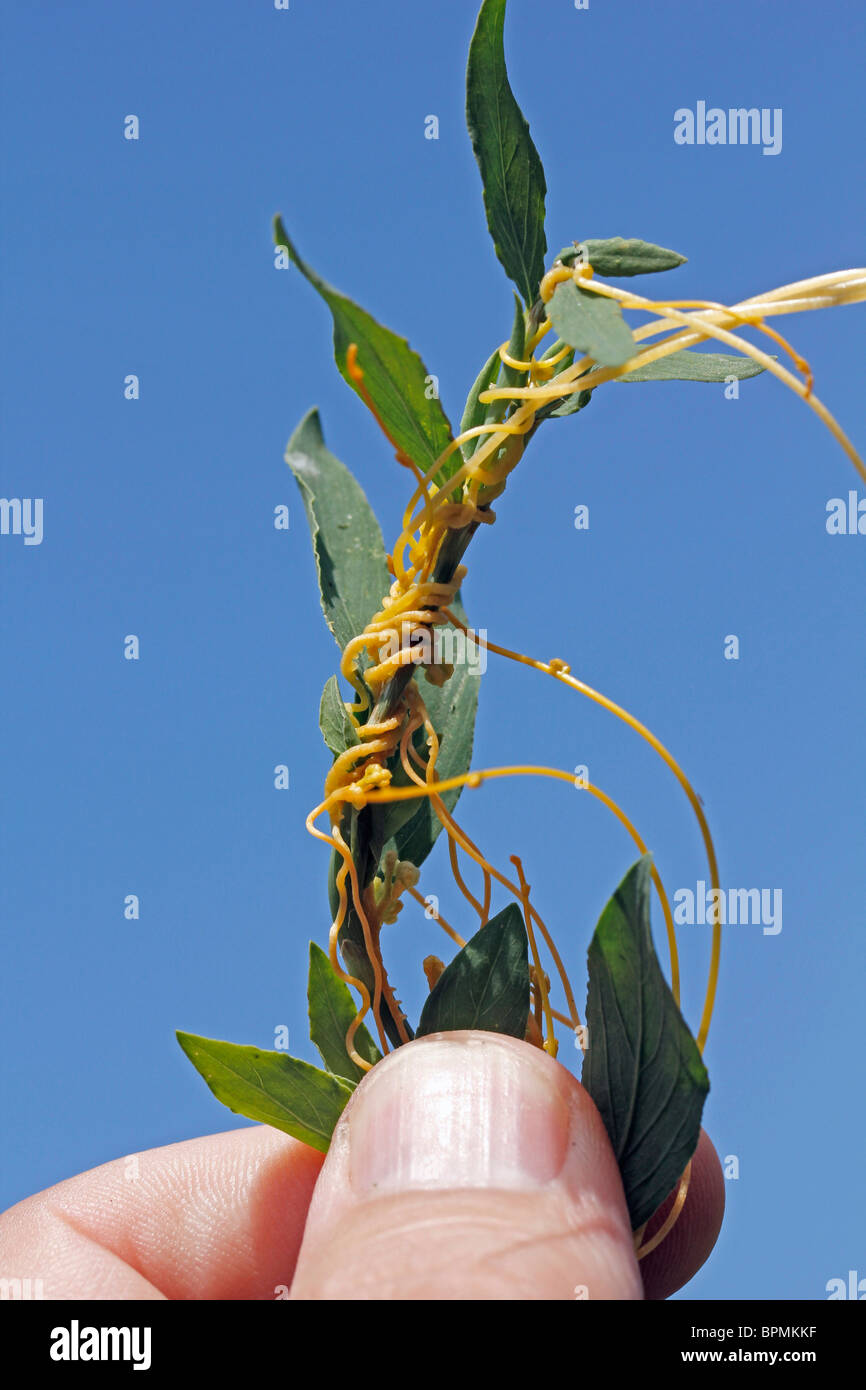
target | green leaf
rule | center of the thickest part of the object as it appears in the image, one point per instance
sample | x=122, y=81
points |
x=474, y=413
x=271, y=1087
x=486, y=985
x=511, y=171
x=347, y=541
x=338, y=731
x=695, y=366
x=617, y=255
x=592, y=323
x=556, y=346
x=510, y=376
x=570, y=404
x=332, y=1009
x=452, y=708
x=642, y=1067
x=578, y=401
x=394, y=375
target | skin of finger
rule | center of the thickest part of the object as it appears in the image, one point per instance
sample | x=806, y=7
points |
x=689, y=1244
x=559, y=1239
x=219, y=1217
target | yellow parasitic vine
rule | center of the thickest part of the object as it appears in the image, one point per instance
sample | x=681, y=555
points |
x=398, y=636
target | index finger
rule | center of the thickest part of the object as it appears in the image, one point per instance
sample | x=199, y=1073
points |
x=219, y=1217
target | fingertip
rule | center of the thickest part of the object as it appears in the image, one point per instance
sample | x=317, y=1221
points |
x=469, y=1166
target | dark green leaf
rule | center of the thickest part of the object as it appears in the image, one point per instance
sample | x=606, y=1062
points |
x=578, y=401
x=271, y=1087
x=338, y=731
x=332, y=1009
x=486, y=985
x=347, y=541
x=642, y=1067
x=570, y=404
x=695, y=366
x=394, y=375
x=511, y=171
x=592, y=323
x=452, y=708
x=474, y=413
x=617, y=255
x=510, y=376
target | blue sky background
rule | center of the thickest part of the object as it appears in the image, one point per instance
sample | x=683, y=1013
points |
x=707, y=518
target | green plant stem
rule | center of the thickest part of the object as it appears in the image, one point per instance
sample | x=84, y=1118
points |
x=363, y=829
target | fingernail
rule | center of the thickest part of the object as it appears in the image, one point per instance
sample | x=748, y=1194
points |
x=474, y=1113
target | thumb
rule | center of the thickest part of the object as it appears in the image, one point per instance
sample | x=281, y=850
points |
x=468, y=1166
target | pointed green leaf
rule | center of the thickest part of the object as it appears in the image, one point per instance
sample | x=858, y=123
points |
x=474, y=413
x=695, y=366
x=592, y=323
x=347, y=541
x=332, y=1009
x=399, y=384
x=452, y=708
x=486, y=985
x=271, y=1087
x=618, y=255
x=510, y=376
x=338, y=731
x=511, y=171
x=642, y=1066
x=493, y=373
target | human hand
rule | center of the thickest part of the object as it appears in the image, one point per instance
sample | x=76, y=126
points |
x=466, y=1166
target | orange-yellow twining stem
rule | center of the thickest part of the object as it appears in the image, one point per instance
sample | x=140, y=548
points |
x=460, y=881
x=600, y=796
x=344, y=763
x=698, y=327
x=474, y=852
x=671, y=1218
x=419, y=898
x=573, y=1020
x=707, y=327
x=469, y=845
x=459, y=835
x=370, y=946
x=381, y=985
x=799, y=361
x=359, y=795
x=675, y=344
x=333, y=938
x=695, y=328
x=550, y=1043
x=560, y=671
x=497, y=434
x=430, y=779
